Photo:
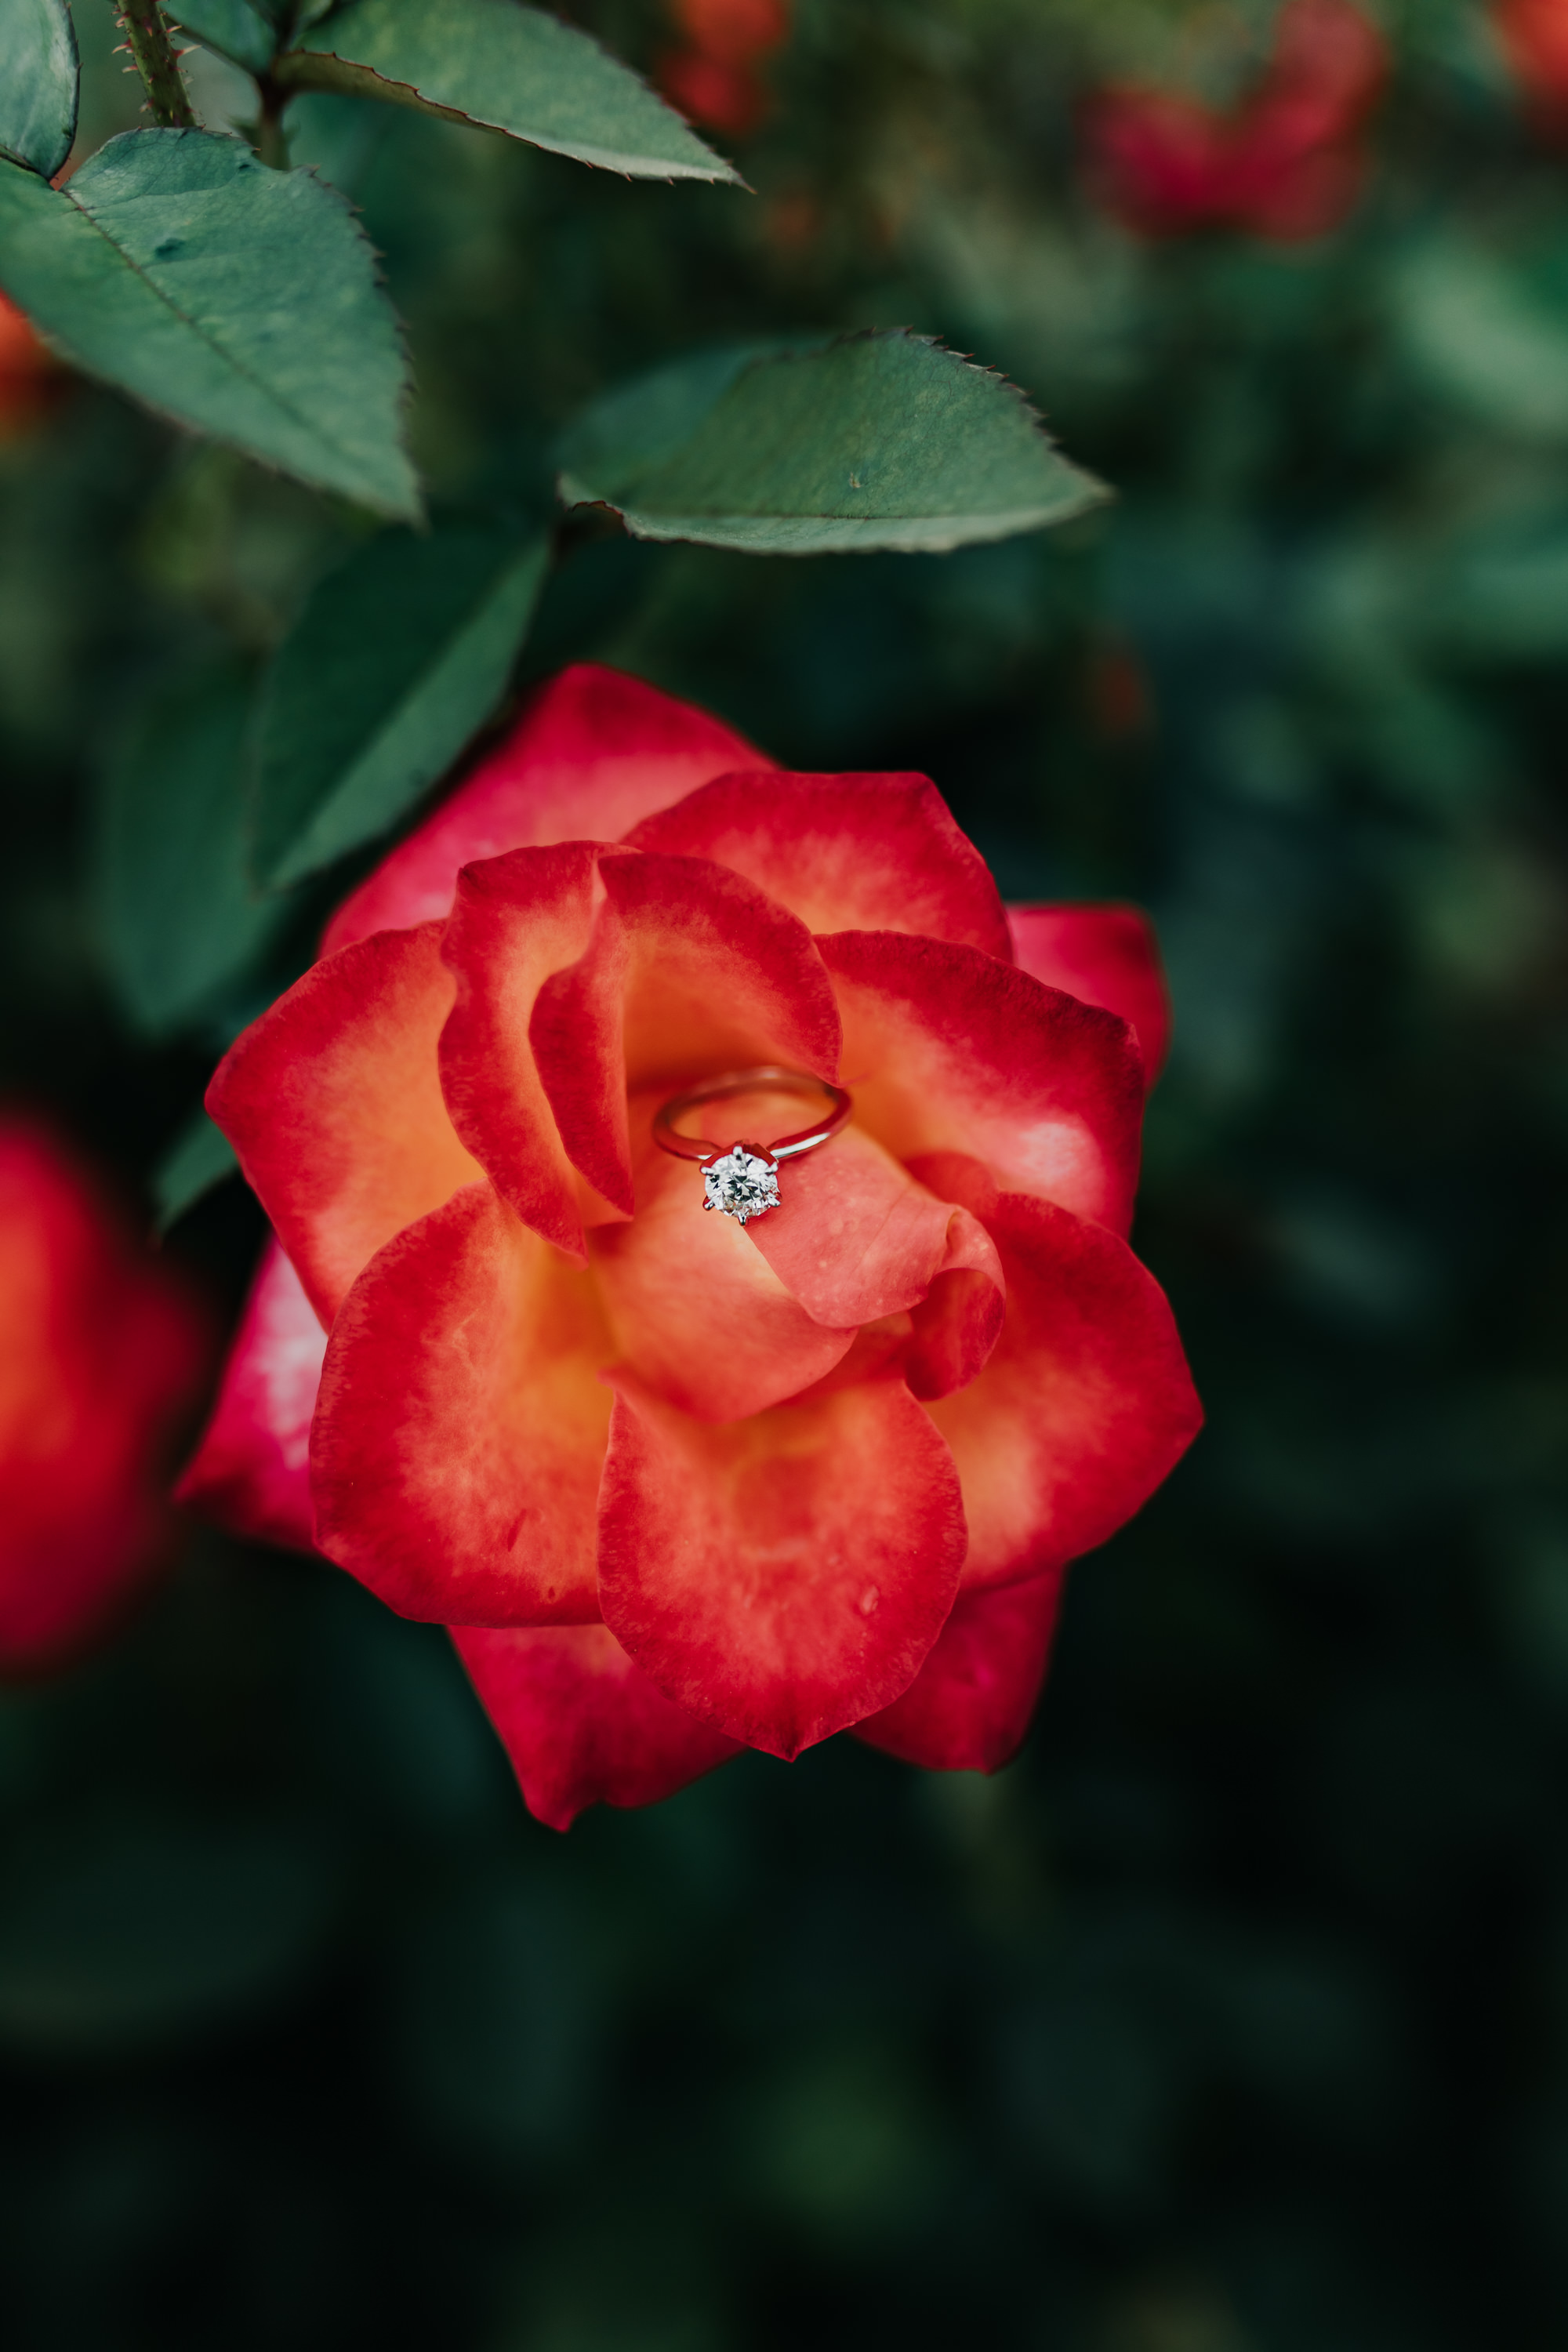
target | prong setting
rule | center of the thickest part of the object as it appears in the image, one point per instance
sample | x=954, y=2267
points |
x=742, y=1184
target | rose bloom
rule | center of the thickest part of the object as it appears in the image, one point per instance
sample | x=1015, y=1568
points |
x=1286, y=165
x=715, y=76
x=1534, y=36
x=101, y=1353
x=29, y=373
x=681, y=1484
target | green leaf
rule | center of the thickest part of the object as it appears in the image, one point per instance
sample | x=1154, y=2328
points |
x=233, y=27
x=239, y=300
x=200, y=1157
x=508, y=67
x=650, y=418
x=37, y=83
x=175, y=911
x=1483, y=335
x=880, y=439
x=396, y=660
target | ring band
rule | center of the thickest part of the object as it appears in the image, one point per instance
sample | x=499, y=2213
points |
x=766, y=1078
x=743, y=1182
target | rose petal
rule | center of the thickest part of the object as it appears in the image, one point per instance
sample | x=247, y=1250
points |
x=855, y=1237
x=333, y=1101
x=1106, y=955
x=784, y=1576
x=691, y=970
x=942, y=1344
x=251, y=1472
x=515, y=921
x=1085, y=1406
x=956, y=1326
x=101, y=1353
x=594, y=751
x=969, y=1706
x=878, y=1347
x=581, y=1725
x=854, y=853
x=695, y=1313
x=459, y=1436
x=946, y=1049
x=855, y=1240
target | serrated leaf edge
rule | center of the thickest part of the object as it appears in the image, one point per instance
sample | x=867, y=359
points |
x=855, y=534
x=411, y=513
x=705, y=530
x=292, y=71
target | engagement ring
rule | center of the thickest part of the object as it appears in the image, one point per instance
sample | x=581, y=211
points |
x=743, y=1182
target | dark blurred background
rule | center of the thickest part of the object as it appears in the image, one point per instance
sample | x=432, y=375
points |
x=1233, y=2017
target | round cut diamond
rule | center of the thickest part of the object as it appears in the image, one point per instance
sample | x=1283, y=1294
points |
x=741, y=1184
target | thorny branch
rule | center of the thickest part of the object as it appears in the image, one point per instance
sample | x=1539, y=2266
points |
x=147, y=38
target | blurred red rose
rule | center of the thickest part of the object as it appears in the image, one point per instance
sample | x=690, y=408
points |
x=1534, y=36
x=715, y=76
x=680, y=1485
x=1286, y=164
x=30, y=372
x=100, y=1356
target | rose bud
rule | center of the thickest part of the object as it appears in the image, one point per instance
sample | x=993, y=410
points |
x=716, y=76
x=102, y=1354
x=683, y=1482
x=1285, y=164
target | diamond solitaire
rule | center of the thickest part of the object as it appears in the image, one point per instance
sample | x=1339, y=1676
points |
x=741, y=1184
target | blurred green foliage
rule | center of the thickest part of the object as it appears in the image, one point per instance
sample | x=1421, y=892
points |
x=1233, y=2017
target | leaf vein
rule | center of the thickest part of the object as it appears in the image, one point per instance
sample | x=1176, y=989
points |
x=314, y=430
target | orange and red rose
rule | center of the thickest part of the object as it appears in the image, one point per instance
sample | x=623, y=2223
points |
x=676, y=1483
x=100, y=1355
